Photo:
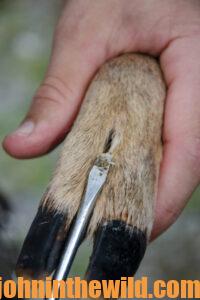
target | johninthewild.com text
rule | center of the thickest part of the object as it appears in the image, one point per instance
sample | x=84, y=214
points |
x=126, y=287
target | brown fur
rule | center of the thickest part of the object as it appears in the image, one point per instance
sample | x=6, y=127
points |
x=121, y=113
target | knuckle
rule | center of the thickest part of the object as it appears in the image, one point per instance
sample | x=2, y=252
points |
x=53, y=90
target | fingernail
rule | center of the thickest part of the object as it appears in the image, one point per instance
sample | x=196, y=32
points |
x=25, y=128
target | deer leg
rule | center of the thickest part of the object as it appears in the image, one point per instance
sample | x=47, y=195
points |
x=121, y=114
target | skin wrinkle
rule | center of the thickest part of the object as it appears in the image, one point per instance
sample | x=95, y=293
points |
x=59, y=84
x=47, y=84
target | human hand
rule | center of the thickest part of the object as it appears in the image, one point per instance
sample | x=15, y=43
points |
x=89, y=33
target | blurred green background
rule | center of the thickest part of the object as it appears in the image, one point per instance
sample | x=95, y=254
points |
x=26, y=30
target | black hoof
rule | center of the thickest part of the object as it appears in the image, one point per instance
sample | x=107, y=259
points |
x=43, y=245
x=117, y=252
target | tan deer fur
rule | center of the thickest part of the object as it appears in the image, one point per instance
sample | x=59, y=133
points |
x=125, y=101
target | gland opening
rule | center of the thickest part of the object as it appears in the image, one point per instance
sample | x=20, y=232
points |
x=109, y=141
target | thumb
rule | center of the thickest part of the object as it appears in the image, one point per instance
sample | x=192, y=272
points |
x=57, y=100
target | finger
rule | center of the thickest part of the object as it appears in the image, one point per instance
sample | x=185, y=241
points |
x=57, y=100
x=180, y=170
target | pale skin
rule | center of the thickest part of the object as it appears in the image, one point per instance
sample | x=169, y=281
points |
x=90, y=32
